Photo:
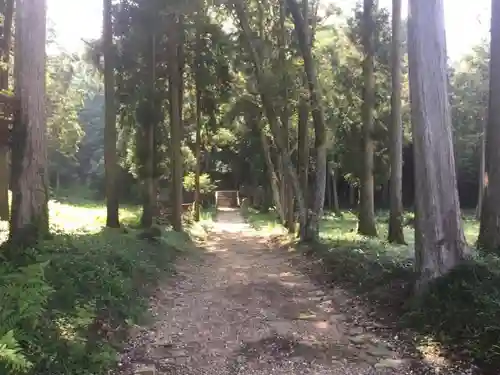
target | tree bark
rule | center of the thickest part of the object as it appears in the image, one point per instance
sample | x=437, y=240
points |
x=482, y=173
x=396, y=133
x=8, y=12
x=302, y=29
x=30, y=217
x=175, y=85
x=110, y=134
x=366, y=225
x=439, y=238
x=197, y=64
x=148, y=141
x=303, y=148
x=489, y=231
x=335, y=195
x=288, y=199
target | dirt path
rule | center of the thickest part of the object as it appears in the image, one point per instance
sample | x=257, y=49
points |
x=242, y=309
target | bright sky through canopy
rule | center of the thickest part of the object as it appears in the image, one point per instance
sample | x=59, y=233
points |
x=467, y=21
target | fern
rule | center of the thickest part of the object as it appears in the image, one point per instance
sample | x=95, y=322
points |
x=11, y=355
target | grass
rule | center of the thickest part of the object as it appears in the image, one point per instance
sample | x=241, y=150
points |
x=458, y=313
x=66, y=305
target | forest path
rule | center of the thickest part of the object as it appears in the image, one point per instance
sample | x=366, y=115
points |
x=241, y=308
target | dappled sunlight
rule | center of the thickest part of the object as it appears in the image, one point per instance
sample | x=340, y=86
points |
x=88, y=218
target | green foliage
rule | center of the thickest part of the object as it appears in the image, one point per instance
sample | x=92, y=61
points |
x=461, y=311
x=206, y=184
x=65, y=311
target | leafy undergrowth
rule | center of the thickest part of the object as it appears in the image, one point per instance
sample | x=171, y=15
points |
x=460, y=312
x=65, y=308
x=267, y=222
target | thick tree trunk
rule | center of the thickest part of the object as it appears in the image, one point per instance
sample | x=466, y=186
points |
x=7, y=10
x=175, y=85
x=30, y=218
x=270, y=112
x=110, y=136
x=366, y=225
x=396, y=147
x=489, y=232
x=439, y=238
x=302, y=29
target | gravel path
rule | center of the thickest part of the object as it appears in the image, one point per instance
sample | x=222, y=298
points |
x=240, y=308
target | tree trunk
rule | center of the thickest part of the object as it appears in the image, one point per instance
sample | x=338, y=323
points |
x=439, y=238
x=366, y=225
x=197, y=64
x=482, y=173
x=302, y=29
x=271, y=170
x=396, y=132
x=288, y=200
x=175, y=87
x=489, y=232
x=8, y=12
x=303, y=148
x=110, y=136
x=148, y=141
x=30, y=217
x=335, y=195
x=270, y=112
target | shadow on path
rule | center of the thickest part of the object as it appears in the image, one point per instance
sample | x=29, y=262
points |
x=241, y=308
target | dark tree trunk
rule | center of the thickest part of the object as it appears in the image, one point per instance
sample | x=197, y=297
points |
x=489, y=232
x=335, y=195
x=7, y=10
x=366, y=225
x=149, y=144
x=396, y=147
x=175, y=89
x=110, y=136
x=197, y=64
x=30, y=218
x=439, y=238
x=482, y=173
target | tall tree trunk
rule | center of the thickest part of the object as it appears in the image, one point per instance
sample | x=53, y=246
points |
x=149, y=144
x=270, y=112
x=303, y=32
x=489, y=232
x=30, y=217
x=197, y=64
x=482, y=173
x=366, y=225
x=110, y=136
x=439, y=238
x=396, y=148
x=8, y=12
x=288, y=199
x=175, y=89
x=303, y=147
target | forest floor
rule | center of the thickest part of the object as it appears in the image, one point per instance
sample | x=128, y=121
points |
x=244, y=306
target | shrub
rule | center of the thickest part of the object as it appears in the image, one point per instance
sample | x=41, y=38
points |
x=65, y=310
